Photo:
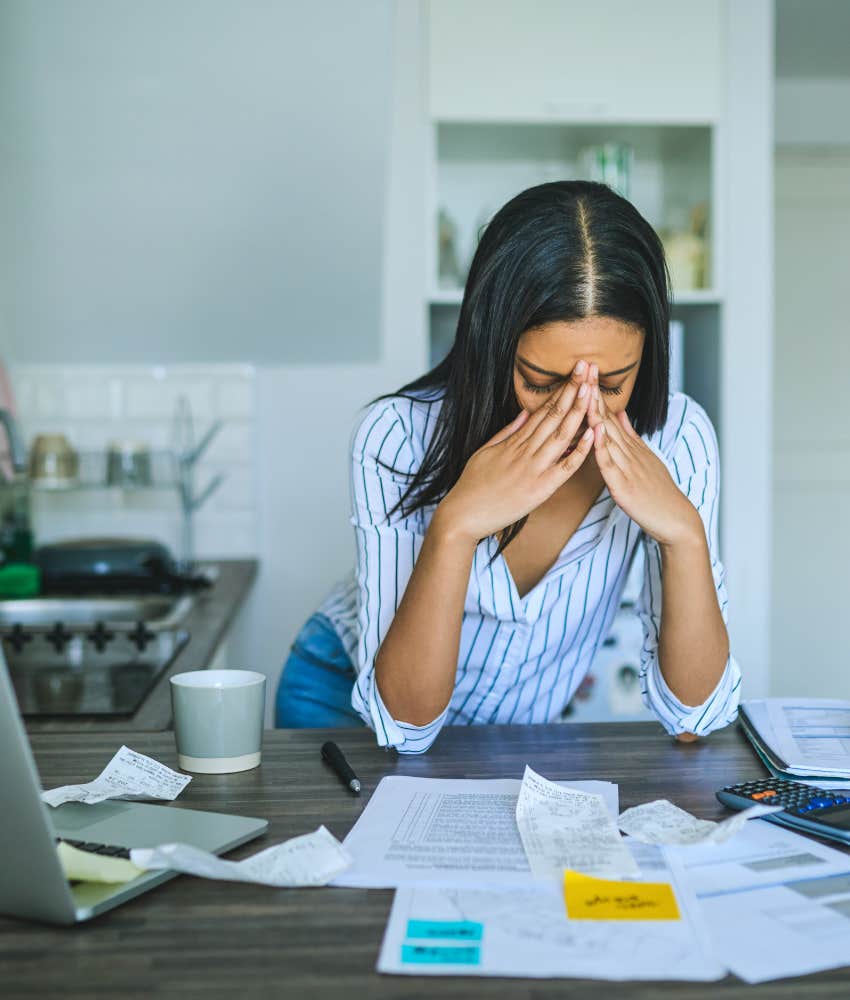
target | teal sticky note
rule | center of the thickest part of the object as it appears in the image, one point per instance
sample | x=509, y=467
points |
x=446, y=930
x=440, y=954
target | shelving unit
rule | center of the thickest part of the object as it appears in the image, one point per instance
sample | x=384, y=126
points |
x=165, y=470
x=475, y=167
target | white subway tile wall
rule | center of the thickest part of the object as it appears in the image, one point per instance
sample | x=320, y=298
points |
x=95, y=405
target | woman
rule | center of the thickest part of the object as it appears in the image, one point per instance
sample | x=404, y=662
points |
x=498, y=500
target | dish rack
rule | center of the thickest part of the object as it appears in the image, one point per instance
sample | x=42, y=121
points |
x=165, y=469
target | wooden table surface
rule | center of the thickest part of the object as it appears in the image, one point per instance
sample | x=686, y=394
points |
x=194, y=937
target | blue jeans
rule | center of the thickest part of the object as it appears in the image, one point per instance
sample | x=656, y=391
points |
x=315, y=687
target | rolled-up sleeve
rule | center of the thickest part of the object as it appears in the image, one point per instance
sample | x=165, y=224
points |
x=694, y=465
x=383, y=457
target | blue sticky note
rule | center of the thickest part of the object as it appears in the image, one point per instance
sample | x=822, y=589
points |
x=447, y=930
x=440, y=954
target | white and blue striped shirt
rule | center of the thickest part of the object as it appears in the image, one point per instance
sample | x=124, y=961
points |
x=520, y=658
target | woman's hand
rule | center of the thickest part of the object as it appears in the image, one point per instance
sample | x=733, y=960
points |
x=638, y=481
x=522, y=465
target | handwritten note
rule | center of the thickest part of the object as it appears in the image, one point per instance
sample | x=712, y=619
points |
x=562, y=828
x=600, y=899
x=312, y=859
x=129, y=775
x=660, y=822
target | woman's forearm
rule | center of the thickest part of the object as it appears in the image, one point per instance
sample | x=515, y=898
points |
x=416, y=664
x=693, y=646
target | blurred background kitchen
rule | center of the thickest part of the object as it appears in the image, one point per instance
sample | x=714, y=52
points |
x=226, y=226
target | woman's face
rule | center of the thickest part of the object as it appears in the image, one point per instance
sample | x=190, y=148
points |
x=546, y=356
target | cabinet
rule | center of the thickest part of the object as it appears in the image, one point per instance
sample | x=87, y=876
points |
x=611, y=60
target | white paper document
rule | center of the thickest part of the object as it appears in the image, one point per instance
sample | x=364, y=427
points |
x=312, y=859
x=761, y=854
x=810, y=735
x=776, y=904
x=525, y=932
x=813, y=735
x=565, y=828
x=660, y=822
x=129, y=775
x=782, y=930
x=416, y=830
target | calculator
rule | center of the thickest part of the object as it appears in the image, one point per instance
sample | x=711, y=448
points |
x=820, y=811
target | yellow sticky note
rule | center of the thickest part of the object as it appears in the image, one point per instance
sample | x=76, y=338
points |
x=83, y=866
x=590, y=898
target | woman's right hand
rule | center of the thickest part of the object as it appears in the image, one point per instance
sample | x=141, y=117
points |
x=521, y=466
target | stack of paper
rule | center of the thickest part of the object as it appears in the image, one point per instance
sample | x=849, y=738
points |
x=800, y=738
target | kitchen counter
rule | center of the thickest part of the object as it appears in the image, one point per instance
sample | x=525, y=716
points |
x=208, y=623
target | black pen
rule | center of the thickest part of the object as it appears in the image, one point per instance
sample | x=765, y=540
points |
x=331, y=754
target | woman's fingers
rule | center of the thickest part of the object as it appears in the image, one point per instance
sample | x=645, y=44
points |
x=609, y=447
x=510, y=429
x=562, y=470
x=560, y=435
x=613, y=426
x=549, y=416
x=626, y=424
x=604, y=452
x=557, y=418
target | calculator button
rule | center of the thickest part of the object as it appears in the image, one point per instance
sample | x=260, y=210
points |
x=763, y=795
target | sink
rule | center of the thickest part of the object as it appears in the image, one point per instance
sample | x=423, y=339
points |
x=158, y=612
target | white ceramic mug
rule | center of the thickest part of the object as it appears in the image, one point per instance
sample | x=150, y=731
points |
x=218, y=719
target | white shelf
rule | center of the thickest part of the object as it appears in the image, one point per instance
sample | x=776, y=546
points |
x=693, y=297
x=697, y=297
x=446, y=297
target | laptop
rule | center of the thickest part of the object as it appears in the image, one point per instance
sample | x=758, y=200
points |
x=32, y=882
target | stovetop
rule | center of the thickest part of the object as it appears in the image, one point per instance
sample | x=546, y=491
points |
x=85, y=677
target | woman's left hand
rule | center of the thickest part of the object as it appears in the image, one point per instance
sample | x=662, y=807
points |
x=638, y=481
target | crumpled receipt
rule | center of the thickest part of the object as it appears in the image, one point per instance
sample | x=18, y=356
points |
x=563, y=828
x=660, y=822
x=129, y=775
x=312, y=859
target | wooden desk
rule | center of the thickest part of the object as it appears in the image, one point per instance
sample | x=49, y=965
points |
x=192, y=937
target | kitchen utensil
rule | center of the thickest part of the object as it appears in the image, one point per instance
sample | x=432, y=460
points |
x=53, y=463
x=128, y=464
x=111, y=565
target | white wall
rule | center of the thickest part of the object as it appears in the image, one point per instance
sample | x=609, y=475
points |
x=812, y=448
x=193, y=180
x=305, y=413
x=746, y=360
x=811, y=453
x=812, y=111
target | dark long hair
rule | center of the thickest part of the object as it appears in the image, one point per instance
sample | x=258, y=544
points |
x=556, y=252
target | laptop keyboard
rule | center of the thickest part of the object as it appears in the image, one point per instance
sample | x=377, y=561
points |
x=109, y=850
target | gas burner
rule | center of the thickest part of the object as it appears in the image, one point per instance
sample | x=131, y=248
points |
x=59, y=637
x=141, y=636
x=100, y=636
x=18, y=638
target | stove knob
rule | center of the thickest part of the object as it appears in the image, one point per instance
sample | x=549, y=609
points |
x=59, y=637
x=100, y=636
x=18, y=638
x=141, y=636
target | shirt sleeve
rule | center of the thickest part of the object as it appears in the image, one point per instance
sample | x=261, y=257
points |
x=383, y=456
x=694, y=465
